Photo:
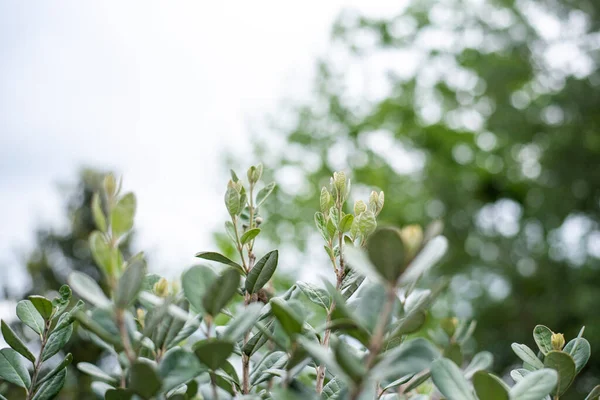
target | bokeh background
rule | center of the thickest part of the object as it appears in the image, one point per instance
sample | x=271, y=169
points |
x=482, y=113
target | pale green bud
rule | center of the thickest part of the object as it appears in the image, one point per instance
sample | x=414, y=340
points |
x=367, y=223
x=359, y=207
x=558, y=341
x=412, y=237
x=339, y=182
x=232, y=198
x=254, y=173
x=161, y=288
x=325, y=200
x=110, y=185
x=373, y=201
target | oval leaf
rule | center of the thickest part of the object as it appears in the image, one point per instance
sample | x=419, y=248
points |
x=49, y=389
x=143, y=379
x=449, y=380
x=262, y=271
x=527, y=355
x=15, y=342
x=220, y=258
x=195, y=282
x=43, y=305
x=95, y=372
x=213, y=352
x=12, y=370
x=542, y=336
x=249, y=235
x=57, y=341
x=30, y=316
x=88, y=289
x=121, y=217
x=242, y=323
x=386, y=251
x=489, y=387
x=287, y=317
x=535, y=385
x=580, y=351
x=221, y=291
x=130, y=282
x=177, y=367
x=564, y=364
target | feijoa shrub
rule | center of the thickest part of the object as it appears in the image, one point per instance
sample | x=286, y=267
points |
x=223, y=332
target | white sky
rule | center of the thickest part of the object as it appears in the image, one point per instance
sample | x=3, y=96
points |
x=154, y=90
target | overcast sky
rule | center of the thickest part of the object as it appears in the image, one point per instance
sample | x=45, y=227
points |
x=156, y=91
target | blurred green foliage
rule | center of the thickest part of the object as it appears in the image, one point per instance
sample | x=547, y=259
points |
x=60, y=251
x=485, y=115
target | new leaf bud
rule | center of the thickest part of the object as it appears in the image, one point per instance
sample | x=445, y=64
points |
x=412, y=237
x=558, y=341
x=359, y=207
x=161, y=288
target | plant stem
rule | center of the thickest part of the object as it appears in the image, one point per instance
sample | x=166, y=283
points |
x=120, y=317
x=38, y=363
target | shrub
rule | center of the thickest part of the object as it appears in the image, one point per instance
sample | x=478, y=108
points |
x=223, y=332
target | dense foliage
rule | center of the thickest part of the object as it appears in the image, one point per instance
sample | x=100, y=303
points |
x=223, y=332
x=482, y=113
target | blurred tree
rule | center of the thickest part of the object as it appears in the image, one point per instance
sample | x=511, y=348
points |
x=481, y=113
x=56, y=253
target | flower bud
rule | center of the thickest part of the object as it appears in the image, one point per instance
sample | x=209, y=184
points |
x=254, y=173
x=558, y=341
x=161, y=288
x=110, y=185
x=412, y=237
x=339, y=182
x=373, y=201
x=359, y=207
x=325, y=200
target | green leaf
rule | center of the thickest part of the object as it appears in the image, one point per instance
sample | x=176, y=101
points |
x=322, y=225
x=95, y=372
x=61, y=302
x=62, y=365
x=195, y=282
x=386, y=251
x=333, y=389
x=98, y=214
x=242, y=323
x=481, y=361
x=315, y=294
x=49, y=389
x=564, y=364
x=433, y=251
x=130, y=283
x=121, y=217
x=232, y=200
x=274, y=360
x=535, y=385
x=88, y=289
x=289, y=320
x=518, y=374
x=527, y=355
x=221, y=291
x=411, y=357
x=543, y=338
x=258, y=340
x=265, y=192
x=489, y=387
x=220, y=258
x=449, y=380
x=143, y=379
x=177, y=367
x=57, y=341
x=594, y=394
x=249, y=235
x=30, y=316
x=15, y=342
x=322, y=356
x=262, y=271
x=359, y=262
x=12, y=370
x=580, y=353
x=43, y=305
x=101, y=252
x=352, y=365
x=369, y=303
x=346, y=223
x=213, y=352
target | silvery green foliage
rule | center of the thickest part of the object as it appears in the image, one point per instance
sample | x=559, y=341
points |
x=222, y=331
x=52, y=322
x=545, y=374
